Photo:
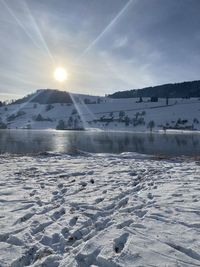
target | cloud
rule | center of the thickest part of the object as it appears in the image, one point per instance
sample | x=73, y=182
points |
x=120, y=42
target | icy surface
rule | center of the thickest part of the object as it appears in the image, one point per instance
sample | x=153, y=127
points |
x=99, y=210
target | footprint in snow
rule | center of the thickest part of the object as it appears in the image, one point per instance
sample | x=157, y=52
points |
x=73, y=221
x=63, y=190
x=150, y=196
x=25, y=218
x=33, y=193
x=42, y=185
x=120, y=242
x=83, y=184
x=140, y=213
x=56, y=215
x=98, y=200
x=65, y=232
x=60, y=185
x=92, y=181
x=124, y=224
x=55, y=193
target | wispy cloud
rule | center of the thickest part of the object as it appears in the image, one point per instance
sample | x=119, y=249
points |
x=120, y=44
x=109, y=26
x=121, y=41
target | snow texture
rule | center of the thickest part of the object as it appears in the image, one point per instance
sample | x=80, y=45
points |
x=99, y=210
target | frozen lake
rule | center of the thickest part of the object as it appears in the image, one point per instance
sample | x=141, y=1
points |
x=36, y=141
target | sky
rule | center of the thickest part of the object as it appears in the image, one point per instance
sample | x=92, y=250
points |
x=105, y=45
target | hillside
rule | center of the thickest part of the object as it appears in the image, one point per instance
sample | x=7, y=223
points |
x=93, y=112
x=172, y=90
x=46, y=96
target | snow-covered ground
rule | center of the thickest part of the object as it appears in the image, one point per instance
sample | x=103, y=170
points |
x=179, y=113
x=99, y=210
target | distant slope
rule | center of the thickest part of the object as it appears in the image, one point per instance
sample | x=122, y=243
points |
x=92, y=112
x=46, y=96
x=176, y=90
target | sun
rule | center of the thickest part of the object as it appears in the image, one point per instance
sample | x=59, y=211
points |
x=60, y=74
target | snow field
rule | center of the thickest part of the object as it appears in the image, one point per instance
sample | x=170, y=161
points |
x=90, y=114
x=99, y=210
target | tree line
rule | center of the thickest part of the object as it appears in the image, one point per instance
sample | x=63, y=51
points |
x=171, y=90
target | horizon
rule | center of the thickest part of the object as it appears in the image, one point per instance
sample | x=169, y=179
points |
x=119, y=45
x=68, y=91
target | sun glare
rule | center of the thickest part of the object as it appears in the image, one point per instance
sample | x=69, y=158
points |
x=60, y=74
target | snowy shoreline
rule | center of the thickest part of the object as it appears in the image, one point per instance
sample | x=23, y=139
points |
x=99, y=210
x=168, y=131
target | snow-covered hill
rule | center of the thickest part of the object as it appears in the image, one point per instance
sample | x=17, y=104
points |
x=105, y=113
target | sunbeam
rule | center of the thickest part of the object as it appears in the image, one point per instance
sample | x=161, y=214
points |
x=43, y=43
x=82, y=116
x=88, y=111
x=108, y=27
x=37, y=30
x=20, y=24
x=85, y=124
x=21, y=106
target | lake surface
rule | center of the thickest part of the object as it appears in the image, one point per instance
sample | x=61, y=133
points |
x=37, y=141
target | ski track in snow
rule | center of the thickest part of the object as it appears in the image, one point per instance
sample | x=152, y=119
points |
x=99, y=210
